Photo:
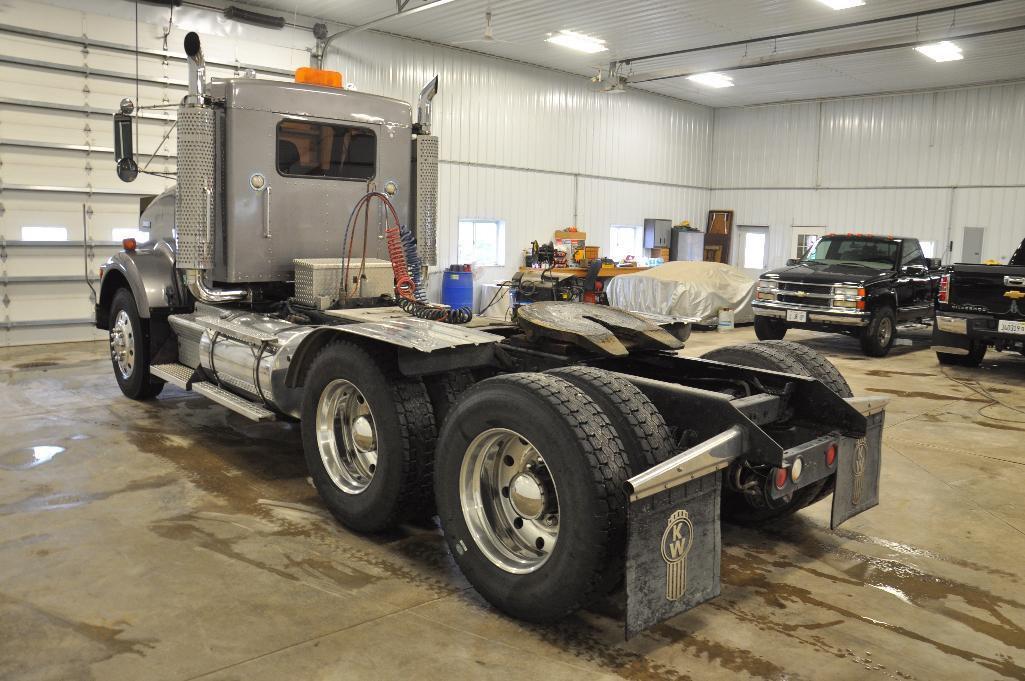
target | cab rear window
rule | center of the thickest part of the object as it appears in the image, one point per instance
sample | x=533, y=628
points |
x=326, y=150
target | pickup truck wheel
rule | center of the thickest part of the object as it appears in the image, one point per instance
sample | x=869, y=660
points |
x=129, y=349
x=748, y=509
x=974, y=358
x=529, y=488
x=639, y=424
x=368, y=438
x=877, y=337
x=767, y=328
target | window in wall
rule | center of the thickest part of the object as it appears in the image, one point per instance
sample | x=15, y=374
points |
x=928, y=248
x=482, y=242
x=624, y=240
x=119, y=233
x=33, y=233
x=805, y=238
x=340, y=152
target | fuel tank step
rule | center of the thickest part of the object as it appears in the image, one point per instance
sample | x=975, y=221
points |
x=175, y=374
x=237, y=404
x=239, y=332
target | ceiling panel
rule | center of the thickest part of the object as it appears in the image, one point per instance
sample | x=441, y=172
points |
x=643, y=28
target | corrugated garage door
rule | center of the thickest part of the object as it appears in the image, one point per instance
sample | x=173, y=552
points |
x=62, y=209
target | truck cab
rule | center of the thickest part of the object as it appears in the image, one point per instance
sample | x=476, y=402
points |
x=858, y=284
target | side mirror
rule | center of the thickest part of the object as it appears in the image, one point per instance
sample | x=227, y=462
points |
x=935, y=263
x=792, y=261
x=915, y=270
x=124, y=154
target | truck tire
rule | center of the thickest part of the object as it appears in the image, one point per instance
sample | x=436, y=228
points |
x=877, y=337
x=129, y=349
x=529, y=488
x=368, y=438
x=445, y=389
x=816, y=366
x=639, y=424
x=768, y=328
x=976, y=353
x=745, y=509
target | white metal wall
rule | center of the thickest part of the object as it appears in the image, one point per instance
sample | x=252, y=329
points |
x=533, y=147
x=924, y=165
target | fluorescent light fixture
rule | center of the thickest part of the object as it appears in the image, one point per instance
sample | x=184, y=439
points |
x=941, y=51
x=842, y=4
x=578, y=41
x=712, y=79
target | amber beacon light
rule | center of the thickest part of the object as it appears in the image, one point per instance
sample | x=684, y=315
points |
x=312, y=76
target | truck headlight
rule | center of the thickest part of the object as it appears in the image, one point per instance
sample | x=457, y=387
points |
x=852, y=297
x=766, y=290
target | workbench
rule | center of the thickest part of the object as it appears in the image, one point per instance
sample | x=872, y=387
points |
x=605, y=272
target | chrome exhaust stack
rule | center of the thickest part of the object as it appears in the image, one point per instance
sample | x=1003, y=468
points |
x=423, y=108
x=195, y=203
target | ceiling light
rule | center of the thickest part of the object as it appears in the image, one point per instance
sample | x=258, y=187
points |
x=843, y=4
x=578, y=41
x=941, y=51
x=712, y=79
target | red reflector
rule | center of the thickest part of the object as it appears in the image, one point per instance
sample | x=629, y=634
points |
x=129, y=244
x=831, y=455
x=944, y=292
x=781, y=478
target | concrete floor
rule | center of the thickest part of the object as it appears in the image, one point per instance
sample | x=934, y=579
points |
x=175, y=540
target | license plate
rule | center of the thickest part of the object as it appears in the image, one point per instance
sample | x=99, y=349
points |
x=1005, y=326
x=797, y=316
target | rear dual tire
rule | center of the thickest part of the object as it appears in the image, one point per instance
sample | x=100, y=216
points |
x=523, y=457
x=792, y=358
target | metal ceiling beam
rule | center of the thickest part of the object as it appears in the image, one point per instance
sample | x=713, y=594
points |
x=820, y=54
x=811, y=31
x=317, y=57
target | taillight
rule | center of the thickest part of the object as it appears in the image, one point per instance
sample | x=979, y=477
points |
x=781, y=478
x=831, y=455
x=944, y=294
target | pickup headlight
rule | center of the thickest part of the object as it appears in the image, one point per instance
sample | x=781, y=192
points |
x=852, y=297
x=766, y=290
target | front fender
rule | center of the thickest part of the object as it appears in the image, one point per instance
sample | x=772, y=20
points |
x=148, y=272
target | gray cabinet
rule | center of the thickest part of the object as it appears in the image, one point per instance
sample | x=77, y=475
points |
x=656, y=233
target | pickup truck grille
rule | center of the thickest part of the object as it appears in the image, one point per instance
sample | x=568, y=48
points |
x=819, y=295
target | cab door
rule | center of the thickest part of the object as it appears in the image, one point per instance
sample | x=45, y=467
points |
x=914, y=285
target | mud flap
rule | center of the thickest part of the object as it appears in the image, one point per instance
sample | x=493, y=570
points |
x=859, y=463
x=673, y=555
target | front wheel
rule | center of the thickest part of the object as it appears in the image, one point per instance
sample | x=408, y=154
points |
x=529, y=488
x=767, y=328
x=877, y=337
x=129, y=349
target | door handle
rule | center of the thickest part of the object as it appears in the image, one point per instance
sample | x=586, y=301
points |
x=1014, y=281
x=266, y=212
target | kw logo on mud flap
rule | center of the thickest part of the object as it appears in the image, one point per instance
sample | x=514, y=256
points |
x=858, y=462
x=676, y=543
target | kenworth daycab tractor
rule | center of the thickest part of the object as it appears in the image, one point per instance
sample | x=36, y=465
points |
x=566, y=454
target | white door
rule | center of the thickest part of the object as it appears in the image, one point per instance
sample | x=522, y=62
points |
x=751, y=250
x=802, y=239
x=971, y=244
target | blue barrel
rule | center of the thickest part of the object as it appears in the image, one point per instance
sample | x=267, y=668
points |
x=457, y=289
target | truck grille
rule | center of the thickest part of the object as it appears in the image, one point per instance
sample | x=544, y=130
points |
x=819, y=295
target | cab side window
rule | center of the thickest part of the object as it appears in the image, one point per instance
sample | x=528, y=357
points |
x=342, y=152
x=913, y=254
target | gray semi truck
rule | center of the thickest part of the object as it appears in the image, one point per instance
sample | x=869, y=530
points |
x=566, y=454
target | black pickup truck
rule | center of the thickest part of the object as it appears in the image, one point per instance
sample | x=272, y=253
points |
x=859, y=284
x=980, y=307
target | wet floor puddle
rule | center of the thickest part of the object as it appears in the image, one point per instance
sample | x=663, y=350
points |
x=29, y=457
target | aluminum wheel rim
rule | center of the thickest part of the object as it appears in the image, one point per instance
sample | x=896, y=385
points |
x=346, y=436
x=122, y=344
x=885, y=331
x=509, y=501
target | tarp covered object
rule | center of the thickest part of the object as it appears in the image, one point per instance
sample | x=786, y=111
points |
x=688, y=289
